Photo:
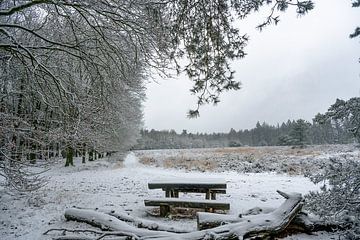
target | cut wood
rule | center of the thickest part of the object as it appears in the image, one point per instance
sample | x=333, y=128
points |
x=139, y=222
x=144, y=223
x=207, y=220
x=301, y=222
x=110, y=223
x=211, y=220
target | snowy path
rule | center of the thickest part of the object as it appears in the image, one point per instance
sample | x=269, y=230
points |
x=103, y=185
x=131, y=161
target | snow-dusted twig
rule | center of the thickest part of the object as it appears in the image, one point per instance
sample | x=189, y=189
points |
x=102, y=234
x=18, y=177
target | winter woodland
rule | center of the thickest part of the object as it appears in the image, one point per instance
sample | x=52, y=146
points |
x=72, y=85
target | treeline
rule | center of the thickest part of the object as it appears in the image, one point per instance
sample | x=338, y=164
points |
x=293, y=133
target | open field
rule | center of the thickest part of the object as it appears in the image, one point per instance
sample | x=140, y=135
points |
x=249, y=159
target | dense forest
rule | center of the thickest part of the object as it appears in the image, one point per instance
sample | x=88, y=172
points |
x=294, y=133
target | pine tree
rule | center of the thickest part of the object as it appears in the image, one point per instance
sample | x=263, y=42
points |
x=344, y=113
x=299, y=133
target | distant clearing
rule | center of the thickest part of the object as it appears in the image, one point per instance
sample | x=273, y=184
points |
x=279, y=159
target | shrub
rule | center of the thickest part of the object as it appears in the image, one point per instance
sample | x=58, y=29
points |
x=338, y=200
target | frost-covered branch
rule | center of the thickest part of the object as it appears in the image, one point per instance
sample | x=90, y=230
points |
x=18, y=176
x=338, y=199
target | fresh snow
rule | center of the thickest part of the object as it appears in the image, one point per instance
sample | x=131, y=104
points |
x=107, y=185
x=190, y=181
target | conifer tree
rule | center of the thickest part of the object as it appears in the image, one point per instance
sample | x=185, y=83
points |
x=344, y=113
x=299, y=133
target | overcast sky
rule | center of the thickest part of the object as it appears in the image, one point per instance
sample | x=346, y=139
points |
x=293, y=70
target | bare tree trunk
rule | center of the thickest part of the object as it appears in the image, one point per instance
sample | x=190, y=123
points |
x=69, y=156
x=91, y=155
x=51, y=151
x=57, y=150
x=32, y=155
x=13, y=149
x=84, y=153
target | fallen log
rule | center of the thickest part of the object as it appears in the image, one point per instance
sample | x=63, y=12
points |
x=144, y=223
x=302, y=222
x=139, y=222
x=273, y=222
x=256, y=225
x=211, y=220
x=110, y=223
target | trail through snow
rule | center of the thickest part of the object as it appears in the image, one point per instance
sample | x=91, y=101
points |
x=131, y=161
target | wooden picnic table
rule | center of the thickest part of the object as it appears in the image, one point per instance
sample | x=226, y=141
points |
x=172, y=187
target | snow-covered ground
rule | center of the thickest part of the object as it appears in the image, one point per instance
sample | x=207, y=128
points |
x=107, y=185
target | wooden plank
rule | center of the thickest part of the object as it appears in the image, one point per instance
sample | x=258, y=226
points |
x=212, y=195
x=171, y=193
x=207, y=195
x=187, y=186
x=190, y=184
x=198, y=190
x=185, y=203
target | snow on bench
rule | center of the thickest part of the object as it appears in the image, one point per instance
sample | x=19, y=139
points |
x=166, y=203
x=188, y=183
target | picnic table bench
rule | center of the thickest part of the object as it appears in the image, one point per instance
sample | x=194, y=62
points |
x=172, y=187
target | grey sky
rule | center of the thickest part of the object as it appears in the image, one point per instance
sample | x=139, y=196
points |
x=293, y=70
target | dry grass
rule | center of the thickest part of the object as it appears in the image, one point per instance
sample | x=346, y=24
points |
x=147, y=160
x=281, y=159
x=262, y=151
x=242, y=150
x=190, y=164
x=302, y=152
